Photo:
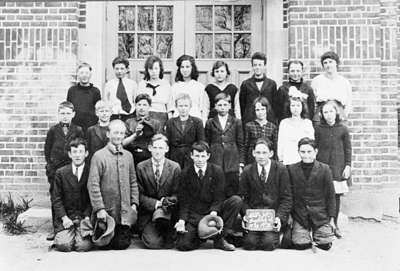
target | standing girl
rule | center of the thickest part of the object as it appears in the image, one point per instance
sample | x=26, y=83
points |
x=334, y=148
x=220, y=72
x=186, y=82
x=291, y=130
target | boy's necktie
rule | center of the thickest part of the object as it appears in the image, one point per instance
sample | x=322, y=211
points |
x=157, y=174
x=121, y=94
x=263, y=175
x=76, y=173
x=201, y=174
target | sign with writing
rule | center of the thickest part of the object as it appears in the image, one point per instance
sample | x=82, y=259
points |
x=260, y=219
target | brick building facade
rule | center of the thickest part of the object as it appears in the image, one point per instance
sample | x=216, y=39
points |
x=42, y=42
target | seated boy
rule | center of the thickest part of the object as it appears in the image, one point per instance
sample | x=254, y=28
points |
x=54, y=147
x=314, y=199
x=265, y=184
x=158, y=179
x=70, y=200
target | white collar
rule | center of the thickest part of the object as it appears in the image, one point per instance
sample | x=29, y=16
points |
x=203, y=169
x=267, y=167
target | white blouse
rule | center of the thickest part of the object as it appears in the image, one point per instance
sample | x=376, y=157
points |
x=291, y=130
x=162, y=100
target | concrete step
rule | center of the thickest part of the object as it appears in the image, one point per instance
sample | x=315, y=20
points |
x=36, y=219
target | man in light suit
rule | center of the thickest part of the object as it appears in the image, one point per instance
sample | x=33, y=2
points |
x=158, y=179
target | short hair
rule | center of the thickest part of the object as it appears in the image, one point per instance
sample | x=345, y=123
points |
x=115, y=123
x=157, y=137
x=263, y=101
x=264, y=141
x=75, y=142
x=183, y=96
x=307, y=141
x=331, y=55
x=200, y=146
x=195, y=72
x=336, y=106
x=66, y=104
x=83, y=65
x=304, y=111
x=222, y=96
x=149, y=65
x=143, y=96
x=218, y=64
x=259, y=56
x=120, y=60
x=102, y=104
x=295, y=62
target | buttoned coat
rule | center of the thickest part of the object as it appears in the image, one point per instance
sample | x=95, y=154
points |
x=150, y=192
x=95, y=139
x=112, y=184
x=225, y=144
x=69, y=196
x=180, y=141
x=313, y=199
x=275, y=193
x=199, y=197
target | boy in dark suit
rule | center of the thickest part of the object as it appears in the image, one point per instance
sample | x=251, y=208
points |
x=201, y=192
x=158, y=179
x=256, y=86
x=265, y=184
x=70, y=200
x=313, y=199
x=97, y=134
x=224, y=134
x=183, y=131
x=54, y=147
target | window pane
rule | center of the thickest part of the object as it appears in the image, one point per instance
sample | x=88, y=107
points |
x=146, y=18
x=204, y=46
x=223, y=18
x=164, y=45
x=164, y=18
x=145, y=45
x=126, y=18
x=242, y=45
x=242, y=18
x=203, y=18
x=126, y=45
x=223, y=45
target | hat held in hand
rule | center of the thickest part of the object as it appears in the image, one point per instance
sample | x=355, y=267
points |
x=209, y=226
x=103, y=231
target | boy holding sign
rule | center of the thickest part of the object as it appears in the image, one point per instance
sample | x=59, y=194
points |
x=267, y=198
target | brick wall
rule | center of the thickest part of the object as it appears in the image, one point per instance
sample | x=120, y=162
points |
x=363, y=33
x=38, y=52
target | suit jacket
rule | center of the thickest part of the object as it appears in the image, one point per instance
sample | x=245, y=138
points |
x=275, y=193
x=69, y=196
x=96, y=139
x=54, y=147
x=180, y=141
x=225, y=144
x=249, y=92
x=199, y=197
x=314, y=198
x=150, y=192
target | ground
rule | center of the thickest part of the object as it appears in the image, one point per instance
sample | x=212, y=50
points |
x=366, y=246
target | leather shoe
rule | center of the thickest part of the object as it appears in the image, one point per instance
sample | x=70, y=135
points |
x=338, y=233
x=222, y=244
x=51, y=236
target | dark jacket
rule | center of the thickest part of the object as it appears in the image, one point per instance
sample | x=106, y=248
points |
x=334, y=147
x=180, y=142
x=199, y=197
x=69, y=196
x=313, y=199
x=55, y=147
x=225, y=144
x=96, y=139
x=149, y=192
x=275, y=193
x=282, y=104
x=249, y=92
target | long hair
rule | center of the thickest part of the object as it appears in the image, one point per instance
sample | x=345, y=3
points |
x=149, y=65
x=195, y=72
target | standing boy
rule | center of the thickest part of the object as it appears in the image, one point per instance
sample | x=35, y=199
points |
x=158, y=179
x=256, y=86
x=265, y=184
x=121, y=91
x=70, y=200
x=224, y=134
x=84, y=97
x=313, y=199
x=112, y=186
x=54, y=147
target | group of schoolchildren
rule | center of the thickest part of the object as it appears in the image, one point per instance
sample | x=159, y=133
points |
x=179, y=165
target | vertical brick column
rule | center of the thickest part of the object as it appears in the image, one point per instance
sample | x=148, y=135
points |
x=363, y=33
x=38, y=54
